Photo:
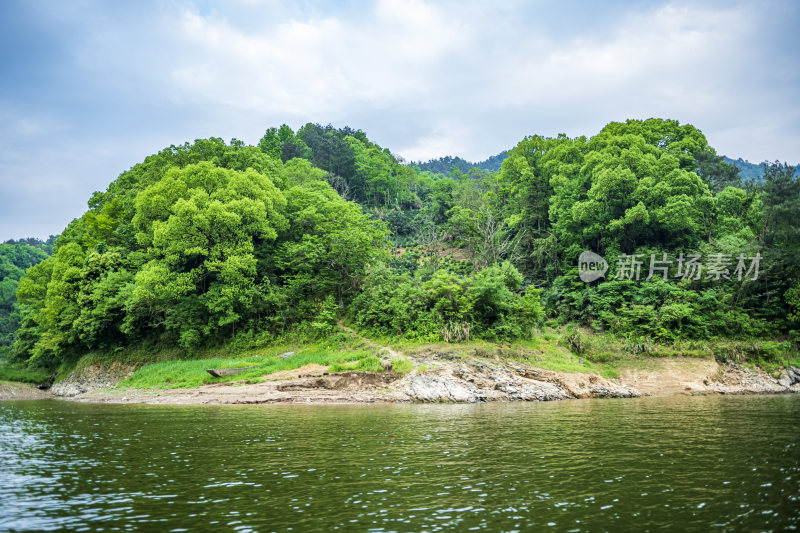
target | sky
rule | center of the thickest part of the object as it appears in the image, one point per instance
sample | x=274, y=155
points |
x=89, y=88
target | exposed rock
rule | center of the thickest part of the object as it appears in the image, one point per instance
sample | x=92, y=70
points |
x=533, y=390
x=789, y=377
x=481, y=381
x=579, y=385
x=620, y=391
x=448, y=377
x=437, y=388
x=91, y=378
x=737, y=379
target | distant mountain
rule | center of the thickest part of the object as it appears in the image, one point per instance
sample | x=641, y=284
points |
x=444, y=165
x=748, y=170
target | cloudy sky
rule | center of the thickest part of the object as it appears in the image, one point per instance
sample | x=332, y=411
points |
x=88, y=89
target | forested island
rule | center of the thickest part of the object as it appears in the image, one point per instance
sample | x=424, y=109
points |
x=323, y=243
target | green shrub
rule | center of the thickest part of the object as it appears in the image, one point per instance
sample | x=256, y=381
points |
x=367, y=364
x=325, y=321
x=444, y=305
x=22, y=375
x=573, y=339
x=402, y=366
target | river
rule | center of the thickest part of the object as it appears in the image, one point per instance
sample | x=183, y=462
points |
x=689, y=463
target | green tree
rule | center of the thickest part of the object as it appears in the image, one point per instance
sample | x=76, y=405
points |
x=329, y=244
x=199, y=225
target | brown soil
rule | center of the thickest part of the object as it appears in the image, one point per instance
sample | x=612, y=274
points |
x=450, y=376
x=670, y=377
x=21, y=391
x=310, y=386
x=302, y=372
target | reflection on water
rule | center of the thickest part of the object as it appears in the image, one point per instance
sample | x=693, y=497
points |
x=725, y=463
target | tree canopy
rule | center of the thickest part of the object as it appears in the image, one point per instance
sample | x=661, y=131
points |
x=211, y=241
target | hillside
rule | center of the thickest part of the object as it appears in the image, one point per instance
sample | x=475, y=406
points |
x=748, y=170
x=214, y=244
x=15, y=258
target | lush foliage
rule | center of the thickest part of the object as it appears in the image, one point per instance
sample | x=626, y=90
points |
x=214, y=242
x=439, y=304
x=653, y=187
x=15, y=258
x=198, y=244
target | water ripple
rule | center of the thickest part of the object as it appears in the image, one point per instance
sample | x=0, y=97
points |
x=717, y=463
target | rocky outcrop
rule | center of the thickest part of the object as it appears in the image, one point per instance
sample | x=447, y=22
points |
x=478, y=381
x=737, y=379
x=91, y=378
x=439, y=388
x=790, y=376
x=443, y=378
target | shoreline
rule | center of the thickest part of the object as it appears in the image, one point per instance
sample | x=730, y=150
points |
x=463, y=381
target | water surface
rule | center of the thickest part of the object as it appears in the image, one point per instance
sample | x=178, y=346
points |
x=691, y=463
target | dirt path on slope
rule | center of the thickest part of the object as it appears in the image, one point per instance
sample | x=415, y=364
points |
x=393, y=354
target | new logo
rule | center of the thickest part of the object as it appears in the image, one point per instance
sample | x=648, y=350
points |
x=591, y=266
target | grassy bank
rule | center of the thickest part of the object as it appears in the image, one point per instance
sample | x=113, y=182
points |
x=770, y=355
x=180, y=374
x=571, y=349
x=561, y=349
x=22, y=375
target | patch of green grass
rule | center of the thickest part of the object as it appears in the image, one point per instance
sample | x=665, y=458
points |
x=22, y=375
x=771, y=355
x=775, y=367
x=192, y=373
x=151, y=351
x=562, y=360
x=607, y=354
x=546, y=351
x=402, y=366
x=370, y=363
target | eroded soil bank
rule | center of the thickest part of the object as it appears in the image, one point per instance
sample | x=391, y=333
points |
x=440, y=380
x=22, y=391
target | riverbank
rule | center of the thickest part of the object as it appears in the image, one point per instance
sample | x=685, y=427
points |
x=357, y=369
x=10, y=390
x=437, y=378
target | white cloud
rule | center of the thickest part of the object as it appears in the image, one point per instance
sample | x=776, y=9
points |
x=316, y=67
x=424, y=79
x=454, y=66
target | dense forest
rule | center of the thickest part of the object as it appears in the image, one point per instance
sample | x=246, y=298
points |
x=214, y=242
x=15, y=258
